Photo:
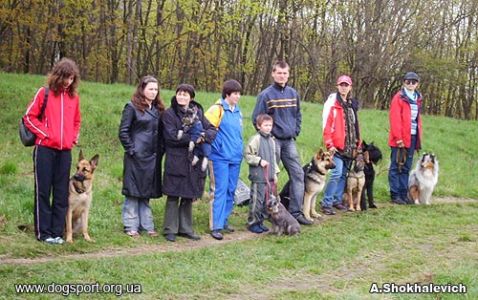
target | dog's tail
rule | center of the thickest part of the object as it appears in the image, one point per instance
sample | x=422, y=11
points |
x=26, y=227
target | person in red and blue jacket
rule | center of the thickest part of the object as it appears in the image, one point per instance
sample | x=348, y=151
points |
x=56, y=134
x=341, y=134
x=404, y=136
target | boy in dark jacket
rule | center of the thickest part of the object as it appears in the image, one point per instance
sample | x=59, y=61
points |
x=260, y=154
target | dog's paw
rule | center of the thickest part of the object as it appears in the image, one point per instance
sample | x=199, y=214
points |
x=195, y=160
x=87, y=238
x=204, y=164
x=180, y=134
x=316, y=215
x=191, y=146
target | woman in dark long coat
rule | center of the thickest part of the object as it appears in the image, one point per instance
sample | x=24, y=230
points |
x=182, y=182
x=140, y=136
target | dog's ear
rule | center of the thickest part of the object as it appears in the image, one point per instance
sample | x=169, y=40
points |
x=320, y=154
x=366, y=157
x=80, y=156
x=94, y=161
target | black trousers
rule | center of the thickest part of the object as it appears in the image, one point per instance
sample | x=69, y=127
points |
x=52, y=172
x=178, y=215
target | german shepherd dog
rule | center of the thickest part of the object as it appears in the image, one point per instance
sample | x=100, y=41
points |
x=374, y=156
x=314, y=181
x=80, y=197
x=356, y=181
x=423, y=179
x=282, y=221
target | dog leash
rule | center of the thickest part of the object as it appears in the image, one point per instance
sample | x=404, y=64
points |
x=401, y=158
x=271, y=187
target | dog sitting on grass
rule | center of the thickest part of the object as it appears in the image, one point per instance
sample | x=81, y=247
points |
x=423, y=179
x=282, y=221
x=374, y=156
x=80, y=198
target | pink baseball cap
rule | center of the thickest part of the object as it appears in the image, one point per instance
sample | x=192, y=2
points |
x=344, y=79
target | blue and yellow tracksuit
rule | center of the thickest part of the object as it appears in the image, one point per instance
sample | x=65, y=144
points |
x=225, y=161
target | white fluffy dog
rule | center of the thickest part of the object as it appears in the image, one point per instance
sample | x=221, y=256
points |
x=423, y=179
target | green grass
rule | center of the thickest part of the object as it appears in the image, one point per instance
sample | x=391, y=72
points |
x=393, y=244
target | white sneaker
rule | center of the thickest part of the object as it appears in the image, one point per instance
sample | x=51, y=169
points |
x=59, y=240
x=50, y=240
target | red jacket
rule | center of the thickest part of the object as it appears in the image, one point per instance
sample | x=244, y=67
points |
x=400, y=121
x=60, y=125
x=333, y=124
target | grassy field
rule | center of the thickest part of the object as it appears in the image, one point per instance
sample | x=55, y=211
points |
x=341, y=257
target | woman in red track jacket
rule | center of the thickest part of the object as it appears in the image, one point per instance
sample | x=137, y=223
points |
x=57, y=132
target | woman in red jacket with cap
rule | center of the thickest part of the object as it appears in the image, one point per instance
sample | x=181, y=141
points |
x=341, y=136
x=404, y=136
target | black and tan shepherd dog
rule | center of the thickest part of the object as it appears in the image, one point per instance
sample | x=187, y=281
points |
x=374, y=156
x=315, y=173
x=355, y=181
x=80, y=197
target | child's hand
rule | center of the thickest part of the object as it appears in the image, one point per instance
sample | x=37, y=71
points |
x=264, y=163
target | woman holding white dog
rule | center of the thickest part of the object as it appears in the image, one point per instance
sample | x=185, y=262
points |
x=140, y=136
x=404, y=136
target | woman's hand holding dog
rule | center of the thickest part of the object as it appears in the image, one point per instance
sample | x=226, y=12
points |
x=264, y=163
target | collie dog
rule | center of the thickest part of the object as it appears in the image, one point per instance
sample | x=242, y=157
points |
x=423, y=179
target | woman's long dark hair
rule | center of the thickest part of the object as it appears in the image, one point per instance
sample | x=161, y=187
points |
x=139, y=99
x=61, y=72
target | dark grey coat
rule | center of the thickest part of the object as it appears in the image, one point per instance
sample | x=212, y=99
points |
x=181, y=179
x=140, y=136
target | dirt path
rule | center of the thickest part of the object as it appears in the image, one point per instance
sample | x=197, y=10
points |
x=363, y=270
x=206, y=241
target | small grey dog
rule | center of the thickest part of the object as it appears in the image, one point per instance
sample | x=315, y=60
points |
x=282, y=221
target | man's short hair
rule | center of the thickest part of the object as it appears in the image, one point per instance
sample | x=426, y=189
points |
x=230, y=86
x=280, y=64
x=262, y=118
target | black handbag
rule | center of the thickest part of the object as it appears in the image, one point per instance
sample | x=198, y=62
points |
x=26, y=136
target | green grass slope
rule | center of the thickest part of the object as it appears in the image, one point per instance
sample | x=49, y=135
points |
x=393, y=244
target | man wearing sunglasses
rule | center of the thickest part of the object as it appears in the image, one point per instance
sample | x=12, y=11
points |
x=404, y=136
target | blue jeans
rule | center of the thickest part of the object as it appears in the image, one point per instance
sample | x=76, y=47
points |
x=334, y=190
x=290, y=159
x=398, y=179
x=137, y=214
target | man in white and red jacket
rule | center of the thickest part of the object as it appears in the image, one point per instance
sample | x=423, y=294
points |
x=56, y=133
x=341, y=136
x=404, y=136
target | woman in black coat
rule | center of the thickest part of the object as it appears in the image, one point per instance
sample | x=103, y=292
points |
x=140, y=136
x=182, y=181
